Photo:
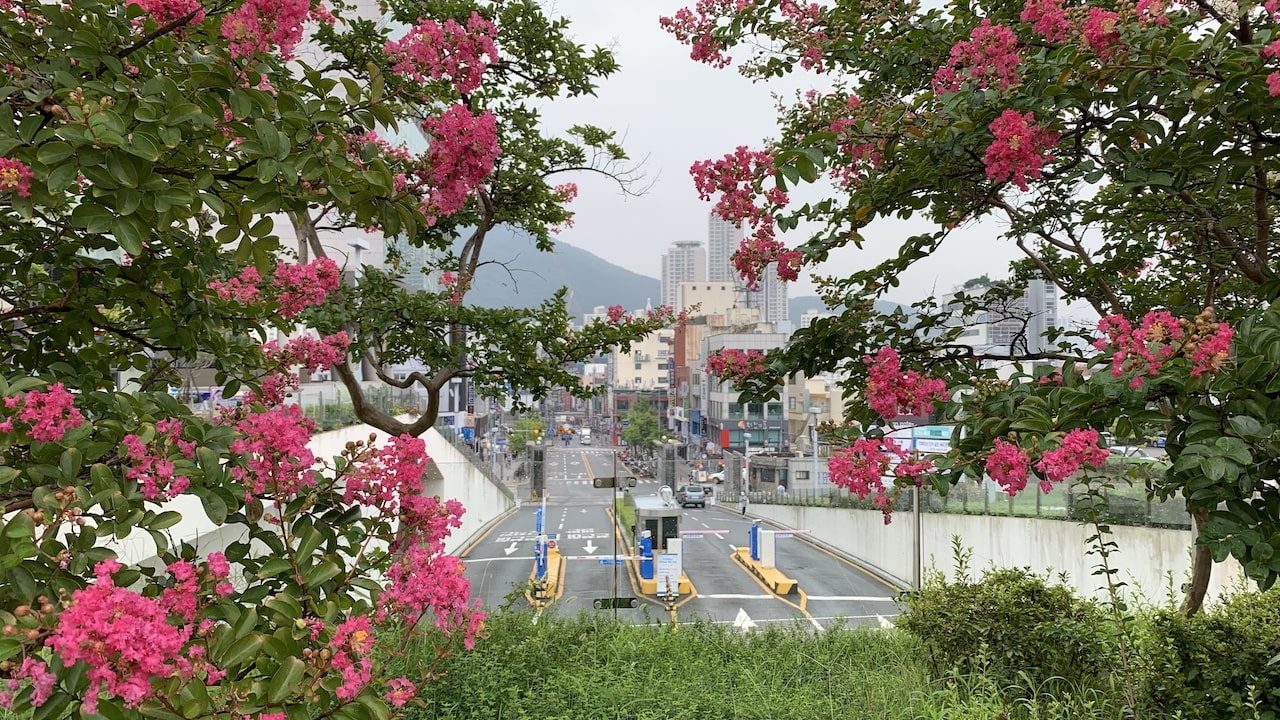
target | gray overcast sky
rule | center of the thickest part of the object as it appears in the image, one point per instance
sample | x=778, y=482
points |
x=673, y=111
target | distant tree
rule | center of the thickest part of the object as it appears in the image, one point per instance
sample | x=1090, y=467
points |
x=642, y=426
x=525, y=430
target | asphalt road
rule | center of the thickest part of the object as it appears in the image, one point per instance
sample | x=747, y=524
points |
x=499, y=565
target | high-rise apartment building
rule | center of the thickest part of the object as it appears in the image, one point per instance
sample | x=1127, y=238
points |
x=723, y=239
x=686, y=261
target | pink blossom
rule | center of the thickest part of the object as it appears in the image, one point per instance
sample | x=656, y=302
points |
x=431, y=51
x=734, y=364
x=789, y=264
x=989, y=58
x=1273, y=84
x=1079, y=449
x=258, y=25
x=242, y=288
x=125, y=639
x=567, y=192
x=1142, y=350
x=450, y=282
x=616, y=314
x=302, y=286
x=739, y=179
x=400, y=691
x=274, y=453
x=352, y=642
x=310, y=352
x=1101, y=32
x=1049, y=19
x=48, y=414
x=1009, y=464
x=463, y=151
x=1210, y=354
x=15, y=177
x=1020, y=149
x=392, y=480
x=696, y=27
x=323, y=15
x=862, y=467
x=42, y=683
x=803, y=28
x=1152, y=12
x=273, y=389
x=891, y=391
x=165, y=12
x=150, y=466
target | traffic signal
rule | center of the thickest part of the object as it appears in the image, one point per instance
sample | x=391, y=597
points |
x=608, y=482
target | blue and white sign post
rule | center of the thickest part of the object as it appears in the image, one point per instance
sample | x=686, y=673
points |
x=646, y=555
x=753, y=541
x=540, y=544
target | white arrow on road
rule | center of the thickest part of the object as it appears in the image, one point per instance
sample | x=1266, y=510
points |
x=590, y=547
x=509, y=550
x=743, y=621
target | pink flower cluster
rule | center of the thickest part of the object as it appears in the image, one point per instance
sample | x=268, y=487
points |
x=463, y=151
x=1079, y=449
x=891, y=391
x=803, y=28
x=1101, y=32
x=258, y=25
x=431, y=51
x=1020, y=149
x=860, y=155
x=738, y=178
x=275, y=458
x=48, y=414
x=300, y=286
x=1048, y=18
x=616, y=314
x=242, y=288
x=15, y=177
x=696, y=27
x=1211, y=352
x=182, y=597
x=358, y=144
x=989, y=58
x=351, y=644
x=733, y=364
x=423, y=581
x=862, y=468
x=273, y=389
x=124, y=639
x=400, y=691
x=568, y=192
x=1009, y=465
x=1142, y=350
x=42, y=683
x=449, y=281
x=1152, y=12
x=165, y=12
x=392, y=478
x=311, y=352
x=149, y=463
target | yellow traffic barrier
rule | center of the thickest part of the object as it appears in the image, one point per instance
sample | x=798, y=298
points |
x=774, y=579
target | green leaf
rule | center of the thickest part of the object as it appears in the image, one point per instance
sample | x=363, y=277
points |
x=241, y=650
x=321, y=573
x=53, y=152
x=69, y=464
x=286, y=679
x=273, y=567
x=166, y=519
x=1245, y=426
x=1214, y=468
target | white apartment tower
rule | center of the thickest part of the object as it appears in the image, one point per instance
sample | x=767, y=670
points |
x=723, y=239
x=686, y=261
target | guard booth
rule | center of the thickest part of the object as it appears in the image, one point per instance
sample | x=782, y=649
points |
x=660, y=519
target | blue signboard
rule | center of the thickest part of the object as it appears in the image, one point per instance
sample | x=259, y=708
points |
x=468, y=434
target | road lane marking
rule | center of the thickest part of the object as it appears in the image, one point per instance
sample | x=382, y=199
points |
x=733, y=596
x=857, y=598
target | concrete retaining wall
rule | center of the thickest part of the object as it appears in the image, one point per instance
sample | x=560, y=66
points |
x=454, y=476
x=1149, y=560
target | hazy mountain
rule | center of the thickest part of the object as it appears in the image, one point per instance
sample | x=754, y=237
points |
x=798, y=306
x=530, y=276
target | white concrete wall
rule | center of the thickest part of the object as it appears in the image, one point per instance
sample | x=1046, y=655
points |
x=453, y=477
x=1146, y=558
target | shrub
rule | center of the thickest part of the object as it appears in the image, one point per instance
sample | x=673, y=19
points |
x=1010, y=622
x=1218, y=663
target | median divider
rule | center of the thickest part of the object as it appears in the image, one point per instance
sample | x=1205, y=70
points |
x=774, y=579
x=542, y=593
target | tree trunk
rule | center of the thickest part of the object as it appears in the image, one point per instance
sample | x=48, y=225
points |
x=1201, y=568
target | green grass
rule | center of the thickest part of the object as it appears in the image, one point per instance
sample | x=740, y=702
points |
x=589, y=668
x=624, y=509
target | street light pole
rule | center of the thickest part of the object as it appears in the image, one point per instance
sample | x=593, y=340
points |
x=813, y=431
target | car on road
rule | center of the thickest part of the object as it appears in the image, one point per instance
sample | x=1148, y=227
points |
x=692, y=495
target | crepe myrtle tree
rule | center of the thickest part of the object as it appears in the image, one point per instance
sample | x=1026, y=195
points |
x=144, y=148
x=1128, y=152
x=474, y=88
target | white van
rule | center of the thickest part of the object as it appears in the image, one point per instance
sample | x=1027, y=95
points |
x=585, y=436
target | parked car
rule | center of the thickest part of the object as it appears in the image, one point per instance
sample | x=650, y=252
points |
x=693, y=495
